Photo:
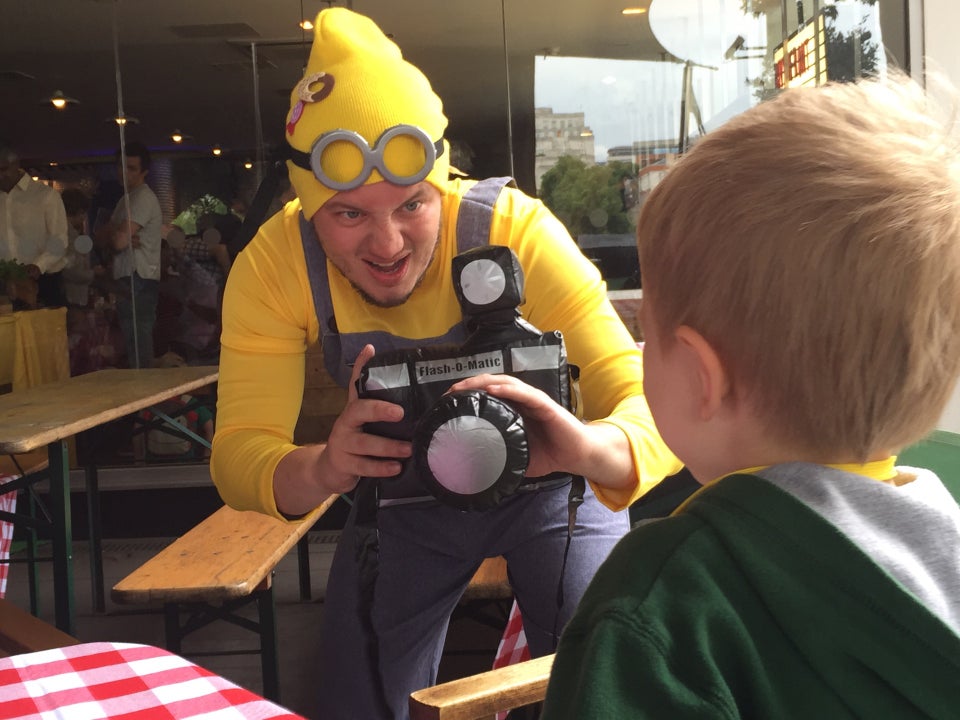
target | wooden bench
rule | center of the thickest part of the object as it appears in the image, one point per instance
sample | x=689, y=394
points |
x=21, y=632
x=488, y=596
x=220, y=565
x=25, y=463
x=483, y=695
x=489, y=582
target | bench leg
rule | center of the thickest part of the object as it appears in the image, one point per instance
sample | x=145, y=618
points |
x=93, y=529
x=269, y=664
x=266, y=627
x=33, y=577
x=303, y=567
x=171, y=627
x=62, y=531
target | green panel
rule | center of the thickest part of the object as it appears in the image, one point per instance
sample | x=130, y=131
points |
x=940, y=452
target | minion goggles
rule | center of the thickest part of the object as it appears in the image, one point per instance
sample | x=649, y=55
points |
x=373, y=157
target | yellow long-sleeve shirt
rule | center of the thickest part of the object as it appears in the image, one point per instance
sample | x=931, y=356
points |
x=269, y=320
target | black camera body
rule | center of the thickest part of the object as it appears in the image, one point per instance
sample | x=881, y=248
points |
x=469, y=448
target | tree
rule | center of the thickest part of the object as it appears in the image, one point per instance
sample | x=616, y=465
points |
x=849, y=56
x=756, y=7
x=587, y=199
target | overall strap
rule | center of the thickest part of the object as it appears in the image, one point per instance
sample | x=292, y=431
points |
x=316, y=260
x=476, y=212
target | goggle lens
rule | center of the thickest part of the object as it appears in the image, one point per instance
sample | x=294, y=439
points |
x=342, y=159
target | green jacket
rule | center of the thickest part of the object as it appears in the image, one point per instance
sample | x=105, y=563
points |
x=748, y=604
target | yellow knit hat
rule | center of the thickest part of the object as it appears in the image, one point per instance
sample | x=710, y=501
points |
x=357, y=80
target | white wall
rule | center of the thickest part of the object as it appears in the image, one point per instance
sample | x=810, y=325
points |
x=941, y=19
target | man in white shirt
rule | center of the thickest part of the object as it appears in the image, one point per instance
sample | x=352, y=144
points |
x=137, y=262
x=33, y=226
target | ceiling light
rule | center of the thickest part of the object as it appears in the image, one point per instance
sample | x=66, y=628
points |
x=306, y=25
x=248, y=165
x=217, y=150
x=59, y=100
x=124, y=120
x=178, y=137
x=633, y=11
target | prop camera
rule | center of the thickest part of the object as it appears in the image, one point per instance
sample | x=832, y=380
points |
x=469, y=448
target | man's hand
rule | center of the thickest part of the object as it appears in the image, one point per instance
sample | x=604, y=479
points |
x=558, y=441
x=556, y=438
x=306, y=476
x=350, y=452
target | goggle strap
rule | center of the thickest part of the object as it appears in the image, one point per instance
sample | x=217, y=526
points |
x=299, y=158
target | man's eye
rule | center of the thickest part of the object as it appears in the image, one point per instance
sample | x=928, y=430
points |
x=350, y=214
x=413, y=205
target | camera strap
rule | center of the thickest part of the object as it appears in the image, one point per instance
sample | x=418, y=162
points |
x=574, y=501
x=367, y=547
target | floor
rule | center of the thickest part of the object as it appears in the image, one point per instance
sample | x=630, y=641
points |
x=470, y=646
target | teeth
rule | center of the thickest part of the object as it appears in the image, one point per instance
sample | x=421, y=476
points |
x=386, y=266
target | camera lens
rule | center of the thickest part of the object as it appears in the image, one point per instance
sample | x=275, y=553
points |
x=471, y=449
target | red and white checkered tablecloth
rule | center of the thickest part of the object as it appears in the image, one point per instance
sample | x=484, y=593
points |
x=121, y=681
x=513, y=646
x=8, y=503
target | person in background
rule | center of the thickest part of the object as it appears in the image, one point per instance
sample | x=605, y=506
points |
x=379, y=243
x=33, y=226
x=215, y=231
x=191, y=288
x=136, y=265
x=802, y=325
x=78, y=272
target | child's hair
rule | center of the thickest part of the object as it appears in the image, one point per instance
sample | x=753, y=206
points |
x=814, y=241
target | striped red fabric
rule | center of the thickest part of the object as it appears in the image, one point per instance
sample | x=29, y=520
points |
x=8, y=503
x=513, y=645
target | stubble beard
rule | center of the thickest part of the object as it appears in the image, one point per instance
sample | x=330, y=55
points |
x=370, y=300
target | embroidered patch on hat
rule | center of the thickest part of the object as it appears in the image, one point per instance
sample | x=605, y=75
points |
x=307, y=95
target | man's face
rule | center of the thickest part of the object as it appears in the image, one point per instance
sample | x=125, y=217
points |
x=381, y=237
x=133, y=173
x=9, y=172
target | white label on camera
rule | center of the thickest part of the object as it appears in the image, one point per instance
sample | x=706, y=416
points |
x=456, y=368
x=387, y=377
x=535, y=358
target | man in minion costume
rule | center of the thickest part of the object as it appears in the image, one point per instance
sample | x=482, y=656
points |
x=361, y=263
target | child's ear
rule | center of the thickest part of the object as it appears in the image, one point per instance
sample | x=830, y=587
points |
x=714, y=384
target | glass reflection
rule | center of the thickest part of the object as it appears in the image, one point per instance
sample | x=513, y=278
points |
x=588, y=111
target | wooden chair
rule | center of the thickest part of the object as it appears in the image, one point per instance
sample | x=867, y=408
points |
x=484, y=695
x=21, y=632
